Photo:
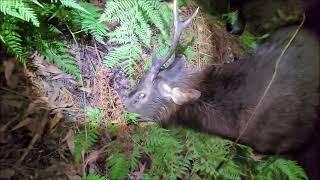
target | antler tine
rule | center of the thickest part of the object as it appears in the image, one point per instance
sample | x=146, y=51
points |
x=179, y=26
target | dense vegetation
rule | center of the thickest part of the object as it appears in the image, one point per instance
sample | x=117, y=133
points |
x=29, y=26
x=178, y=153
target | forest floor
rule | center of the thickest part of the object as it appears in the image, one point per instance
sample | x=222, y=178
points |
x=42, y=107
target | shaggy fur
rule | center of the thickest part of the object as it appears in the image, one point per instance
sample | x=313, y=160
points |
x=285, y=123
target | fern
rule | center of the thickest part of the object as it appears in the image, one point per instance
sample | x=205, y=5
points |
x=175, y=153
x=136, y=18
x=94, y=177
x=277, y=168
x=117, y=166
x=57, y=52
x=19, y=9
x=21, y=34
x=88, y=136
x=71, y=4
x=84, y=140
x=11, y=39
x=89, y=22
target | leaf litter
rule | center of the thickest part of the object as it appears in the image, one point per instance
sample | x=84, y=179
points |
x=42, y=107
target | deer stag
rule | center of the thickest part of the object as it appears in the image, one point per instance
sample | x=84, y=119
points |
x=220, y=99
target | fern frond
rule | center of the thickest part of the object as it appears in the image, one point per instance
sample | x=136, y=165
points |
x=116, y=10
x=143, y=30
x=125, y=56
x=89, y=23
x=277, y=168
x=118, y=166
x=137, y=19
x=57, y=52
x=152, y=14
x=83, y=141
x=19, y=9
x=37, y=3
x=135, y=156
x=71, y=4
x=94, y=177
x=12, y=40
x=93, y=116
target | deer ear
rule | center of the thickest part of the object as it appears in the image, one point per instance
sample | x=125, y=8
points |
x=181, y=96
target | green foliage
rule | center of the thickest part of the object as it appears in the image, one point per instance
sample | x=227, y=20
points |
x=131, y=117
x=83, y=141
x=57, y=52
x=93, y=177
x=87, y=137
x=31, y=25
x=277, y=168
x=89, y=22
x=176, y=153
x=231, y=17
x=117, y=166
x=249, y=40
x=12, y=39
x=137, y=19
x=20, y=9
x=180, y=153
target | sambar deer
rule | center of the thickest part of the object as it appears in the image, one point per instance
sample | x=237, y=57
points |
x=229, y=100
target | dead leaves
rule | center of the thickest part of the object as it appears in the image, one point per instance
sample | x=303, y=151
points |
x=12, y=78
x=24, y=108
x=137, y=175
x=106, y=97
x=7, y=173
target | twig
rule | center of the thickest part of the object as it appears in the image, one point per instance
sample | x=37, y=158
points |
x=14, y=92
x=38, y=134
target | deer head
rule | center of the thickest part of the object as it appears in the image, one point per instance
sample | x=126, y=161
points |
x=161, y=91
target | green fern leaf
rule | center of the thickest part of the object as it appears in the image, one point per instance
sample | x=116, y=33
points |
x=83, y=141
x=135, y=18
x=11, y=39
x=118, y=166
x=72, y=4
x=57, y=52
x=19, y=9
x=94, y=177
x=90, y=24
x=143, y=30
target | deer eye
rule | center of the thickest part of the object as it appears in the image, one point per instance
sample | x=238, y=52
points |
x=141, y=95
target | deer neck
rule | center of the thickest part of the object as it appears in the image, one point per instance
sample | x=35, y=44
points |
x=205, y=117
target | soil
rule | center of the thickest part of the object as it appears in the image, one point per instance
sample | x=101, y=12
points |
x=42, y=107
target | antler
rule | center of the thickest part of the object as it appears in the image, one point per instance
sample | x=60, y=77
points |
x=179, y=26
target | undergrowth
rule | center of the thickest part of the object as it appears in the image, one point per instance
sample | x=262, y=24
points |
x=29, y=26
x=139, y=25
x=181, y=153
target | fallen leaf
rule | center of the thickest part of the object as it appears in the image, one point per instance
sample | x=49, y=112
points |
x=54, y=93
x=93, y=156
x=11, y=78
x=73, y=177
x=22, y=123
x=69, y=139
x=55, y=120
x=7, y=173
x=59, y=76
x=13, y=103
x=85, y=89
x=138, y=174
x=53, y=69
x=257, y=157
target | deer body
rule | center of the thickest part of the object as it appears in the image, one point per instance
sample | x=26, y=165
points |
x=223, y=100
x=230, y=93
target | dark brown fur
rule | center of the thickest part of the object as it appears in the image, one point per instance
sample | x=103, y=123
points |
x=286, y=121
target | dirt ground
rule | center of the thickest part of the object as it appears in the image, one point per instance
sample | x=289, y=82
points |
x=41, y=106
